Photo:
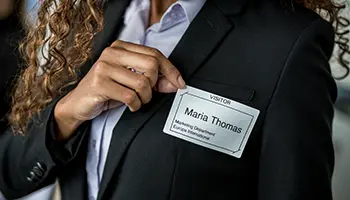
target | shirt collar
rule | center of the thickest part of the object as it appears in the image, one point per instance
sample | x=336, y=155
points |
x=191, y=8
x=136, y=6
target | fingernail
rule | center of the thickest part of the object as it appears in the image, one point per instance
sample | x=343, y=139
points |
x=181, y=82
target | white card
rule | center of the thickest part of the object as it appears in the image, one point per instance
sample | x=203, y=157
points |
x=210, y=120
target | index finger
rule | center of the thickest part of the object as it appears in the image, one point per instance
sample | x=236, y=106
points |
x=166, y=68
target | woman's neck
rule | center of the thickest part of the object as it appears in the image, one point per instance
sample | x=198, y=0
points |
x=158, y=8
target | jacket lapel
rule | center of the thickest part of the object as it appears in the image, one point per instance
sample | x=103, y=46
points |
x=207, y=30
x=205, y=33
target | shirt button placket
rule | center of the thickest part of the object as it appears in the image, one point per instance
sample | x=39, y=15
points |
x=94, y=144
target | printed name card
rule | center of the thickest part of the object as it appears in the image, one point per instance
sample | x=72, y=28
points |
x=211, y=121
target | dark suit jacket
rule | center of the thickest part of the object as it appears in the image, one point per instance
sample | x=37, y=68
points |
x=255, y=52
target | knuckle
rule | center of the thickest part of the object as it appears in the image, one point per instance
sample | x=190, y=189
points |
x=142, y=83
x=172, y=71
x=100, y=67
x=116, y=43
x=155, y=52
x=112, y=52
x=129, y=97
x=107, y=51
x=153, y=63
x=118, y=52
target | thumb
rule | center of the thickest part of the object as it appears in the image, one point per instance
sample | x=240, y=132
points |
x=165, y=86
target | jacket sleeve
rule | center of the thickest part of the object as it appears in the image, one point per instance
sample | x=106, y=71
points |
x=297, y=158
x=30, y=162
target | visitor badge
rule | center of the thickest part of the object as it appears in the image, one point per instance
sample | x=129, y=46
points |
x=211, y=121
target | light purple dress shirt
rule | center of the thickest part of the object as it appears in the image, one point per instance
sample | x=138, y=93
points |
x=163, y=36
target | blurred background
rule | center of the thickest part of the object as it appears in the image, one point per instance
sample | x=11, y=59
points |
x=341, y=130
x=16, y=15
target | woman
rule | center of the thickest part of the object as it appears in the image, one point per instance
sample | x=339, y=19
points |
x=71, y=111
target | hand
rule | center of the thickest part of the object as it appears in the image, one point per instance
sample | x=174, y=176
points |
x=110, y=83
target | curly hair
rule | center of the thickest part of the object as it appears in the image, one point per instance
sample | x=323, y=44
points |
x=72, y=25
